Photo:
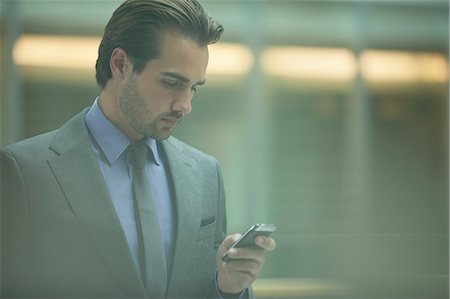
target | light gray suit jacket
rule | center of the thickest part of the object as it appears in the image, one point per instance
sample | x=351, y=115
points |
x=61, y=236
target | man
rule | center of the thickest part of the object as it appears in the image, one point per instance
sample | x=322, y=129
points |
x=110, y=205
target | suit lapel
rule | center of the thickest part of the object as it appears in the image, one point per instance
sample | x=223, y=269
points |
x=80, y=177
x=183, y=171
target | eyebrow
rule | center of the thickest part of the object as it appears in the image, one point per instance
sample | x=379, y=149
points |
x=181, y=78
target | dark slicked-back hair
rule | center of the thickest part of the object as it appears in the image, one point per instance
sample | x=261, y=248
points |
x=136, y=27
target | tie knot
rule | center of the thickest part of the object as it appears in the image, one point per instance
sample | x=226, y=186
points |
x=139, y=153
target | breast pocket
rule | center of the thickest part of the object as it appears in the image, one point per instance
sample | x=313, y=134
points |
x=208, y=229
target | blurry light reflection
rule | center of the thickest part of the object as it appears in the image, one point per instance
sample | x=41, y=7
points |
x=300, y=63
x=310, y=63
x=401, y=66
x=229, y=59
x=56, y=51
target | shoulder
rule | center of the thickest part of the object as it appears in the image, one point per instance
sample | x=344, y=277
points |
x=26, y=158
x=72, y=132
x=30, y=146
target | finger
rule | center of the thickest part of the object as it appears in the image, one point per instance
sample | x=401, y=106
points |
x=266, y=243
x=252, y=267
x=228, y=242
x=247, y=253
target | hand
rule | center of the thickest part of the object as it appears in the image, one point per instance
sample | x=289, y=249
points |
x=245, y=264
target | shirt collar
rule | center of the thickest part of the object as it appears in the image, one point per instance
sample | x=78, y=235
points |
x=154, y=147
x=109, y=139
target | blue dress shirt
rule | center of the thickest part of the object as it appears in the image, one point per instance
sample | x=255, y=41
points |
x=110, y=144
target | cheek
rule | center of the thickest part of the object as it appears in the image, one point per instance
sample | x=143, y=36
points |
x=154, y=94
x=158, y=100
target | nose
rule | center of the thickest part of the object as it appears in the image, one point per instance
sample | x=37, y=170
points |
x=183, y=103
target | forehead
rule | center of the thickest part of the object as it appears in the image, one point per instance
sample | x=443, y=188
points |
x=180, y=54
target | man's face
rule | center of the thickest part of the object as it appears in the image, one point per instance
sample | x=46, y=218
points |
x=153, y=102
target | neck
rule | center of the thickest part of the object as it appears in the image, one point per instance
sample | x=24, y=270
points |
x=108, y=103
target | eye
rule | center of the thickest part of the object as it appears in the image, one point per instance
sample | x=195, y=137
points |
x=171, y=83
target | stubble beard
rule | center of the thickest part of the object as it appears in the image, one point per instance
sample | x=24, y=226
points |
x=134, y=110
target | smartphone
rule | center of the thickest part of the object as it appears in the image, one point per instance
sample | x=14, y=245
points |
x=248, y=238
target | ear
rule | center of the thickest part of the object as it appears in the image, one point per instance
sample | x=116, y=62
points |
x=118, y=63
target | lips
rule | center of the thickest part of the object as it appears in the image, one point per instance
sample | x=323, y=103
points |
x=171, y=121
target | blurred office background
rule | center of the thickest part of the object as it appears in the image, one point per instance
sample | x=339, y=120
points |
x=330, y=119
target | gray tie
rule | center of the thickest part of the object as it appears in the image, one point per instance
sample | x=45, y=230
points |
x=151, y=253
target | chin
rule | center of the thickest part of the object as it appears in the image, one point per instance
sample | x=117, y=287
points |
x=161, y=135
